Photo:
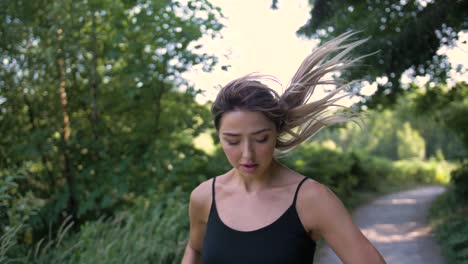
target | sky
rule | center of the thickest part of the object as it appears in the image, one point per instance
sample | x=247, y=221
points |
x=259, y=39
x=256, y=39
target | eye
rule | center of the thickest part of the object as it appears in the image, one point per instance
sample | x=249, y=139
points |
x=262, y=140
x=232, y=143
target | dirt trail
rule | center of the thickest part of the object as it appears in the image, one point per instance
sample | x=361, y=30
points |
x=396, y=224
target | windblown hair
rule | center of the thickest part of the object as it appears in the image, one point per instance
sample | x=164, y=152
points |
x=296, y=119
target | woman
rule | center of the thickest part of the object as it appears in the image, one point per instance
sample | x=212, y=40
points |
x=261, y=211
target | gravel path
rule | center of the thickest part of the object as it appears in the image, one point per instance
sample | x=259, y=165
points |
x=396, y=224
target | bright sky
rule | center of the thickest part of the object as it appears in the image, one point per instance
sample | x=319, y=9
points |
x=259, y=39
x=256, y=39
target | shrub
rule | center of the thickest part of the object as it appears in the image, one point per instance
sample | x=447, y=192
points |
x=370, y=171
x=16, y=207
x=460, y=181
x=343, y=172
x=348, y=173
x=449, y=216
x=418, y=171
x=410, y=143
x=329, y=167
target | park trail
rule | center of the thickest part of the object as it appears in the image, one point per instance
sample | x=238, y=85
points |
x=397, y=226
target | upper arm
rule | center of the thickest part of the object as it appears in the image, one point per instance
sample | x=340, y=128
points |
x=326, y=217
x=199, y=206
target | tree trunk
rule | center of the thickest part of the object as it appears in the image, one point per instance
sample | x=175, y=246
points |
x=66, y=130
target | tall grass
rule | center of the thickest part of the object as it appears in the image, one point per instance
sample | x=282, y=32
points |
x=152, y=232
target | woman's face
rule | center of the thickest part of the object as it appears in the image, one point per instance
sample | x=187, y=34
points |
x=248, y=140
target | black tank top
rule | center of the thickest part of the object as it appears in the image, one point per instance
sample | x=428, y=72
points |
x=285, y=241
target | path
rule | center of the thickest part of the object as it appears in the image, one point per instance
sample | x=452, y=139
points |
x=396, y=224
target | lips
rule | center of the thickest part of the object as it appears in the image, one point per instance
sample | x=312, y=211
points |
x=250, y=167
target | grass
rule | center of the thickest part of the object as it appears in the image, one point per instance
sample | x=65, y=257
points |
x=152, y=232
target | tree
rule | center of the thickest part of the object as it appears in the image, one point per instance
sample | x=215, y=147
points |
x=91, y=98
x=449, y=107
x=405, y=34
x=437, y=114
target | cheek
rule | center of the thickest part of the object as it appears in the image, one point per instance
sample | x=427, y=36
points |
x=266, y=150
x=231, y=153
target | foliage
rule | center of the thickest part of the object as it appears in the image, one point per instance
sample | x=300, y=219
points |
x=97, y=154
x=410, y=143
x=449, y=216
x=17, y=208
x=159, y=217
x=436, y=115
x=348, y=173
x=154, y=231
x=460, y=182
x=405, y=34
x=448, y=106
x=90, y=104
x=8, y=246
x=425, y=172
x=321, y=164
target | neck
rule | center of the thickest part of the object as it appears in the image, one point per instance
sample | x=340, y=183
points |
x=254, y=183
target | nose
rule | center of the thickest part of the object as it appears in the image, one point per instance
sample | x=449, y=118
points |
x=247, y=150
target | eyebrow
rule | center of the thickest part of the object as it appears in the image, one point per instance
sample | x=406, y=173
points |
x=254, y=133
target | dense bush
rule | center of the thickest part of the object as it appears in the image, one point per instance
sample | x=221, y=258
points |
x=325, y=165
x=460, y=181
x=410, y=128
x=16, y=207
x=418, y=171
x=410, y=143
x=449, y=216
x=346, y=173
x=371, y=171
x=154, y=231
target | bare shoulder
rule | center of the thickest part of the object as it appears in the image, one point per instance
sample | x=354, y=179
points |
x=199, y=208
x=324, y=216
x=317, y=205
x=314, y=194
x=314, y=189
x=200, y=200
x=202, y=192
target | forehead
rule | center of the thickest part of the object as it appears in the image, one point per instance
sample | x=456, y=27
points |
x=244, y=121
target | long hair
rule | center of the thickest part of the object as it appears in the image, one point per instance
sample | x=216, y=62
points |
x=295, y=118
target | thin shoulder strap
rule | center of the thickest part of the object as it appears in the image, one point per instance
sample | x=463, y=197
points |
x=297, y=190
x=213, y=190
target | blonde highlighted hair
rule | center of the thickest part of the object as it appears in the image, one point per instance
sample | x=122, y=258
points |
x=295, y=118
